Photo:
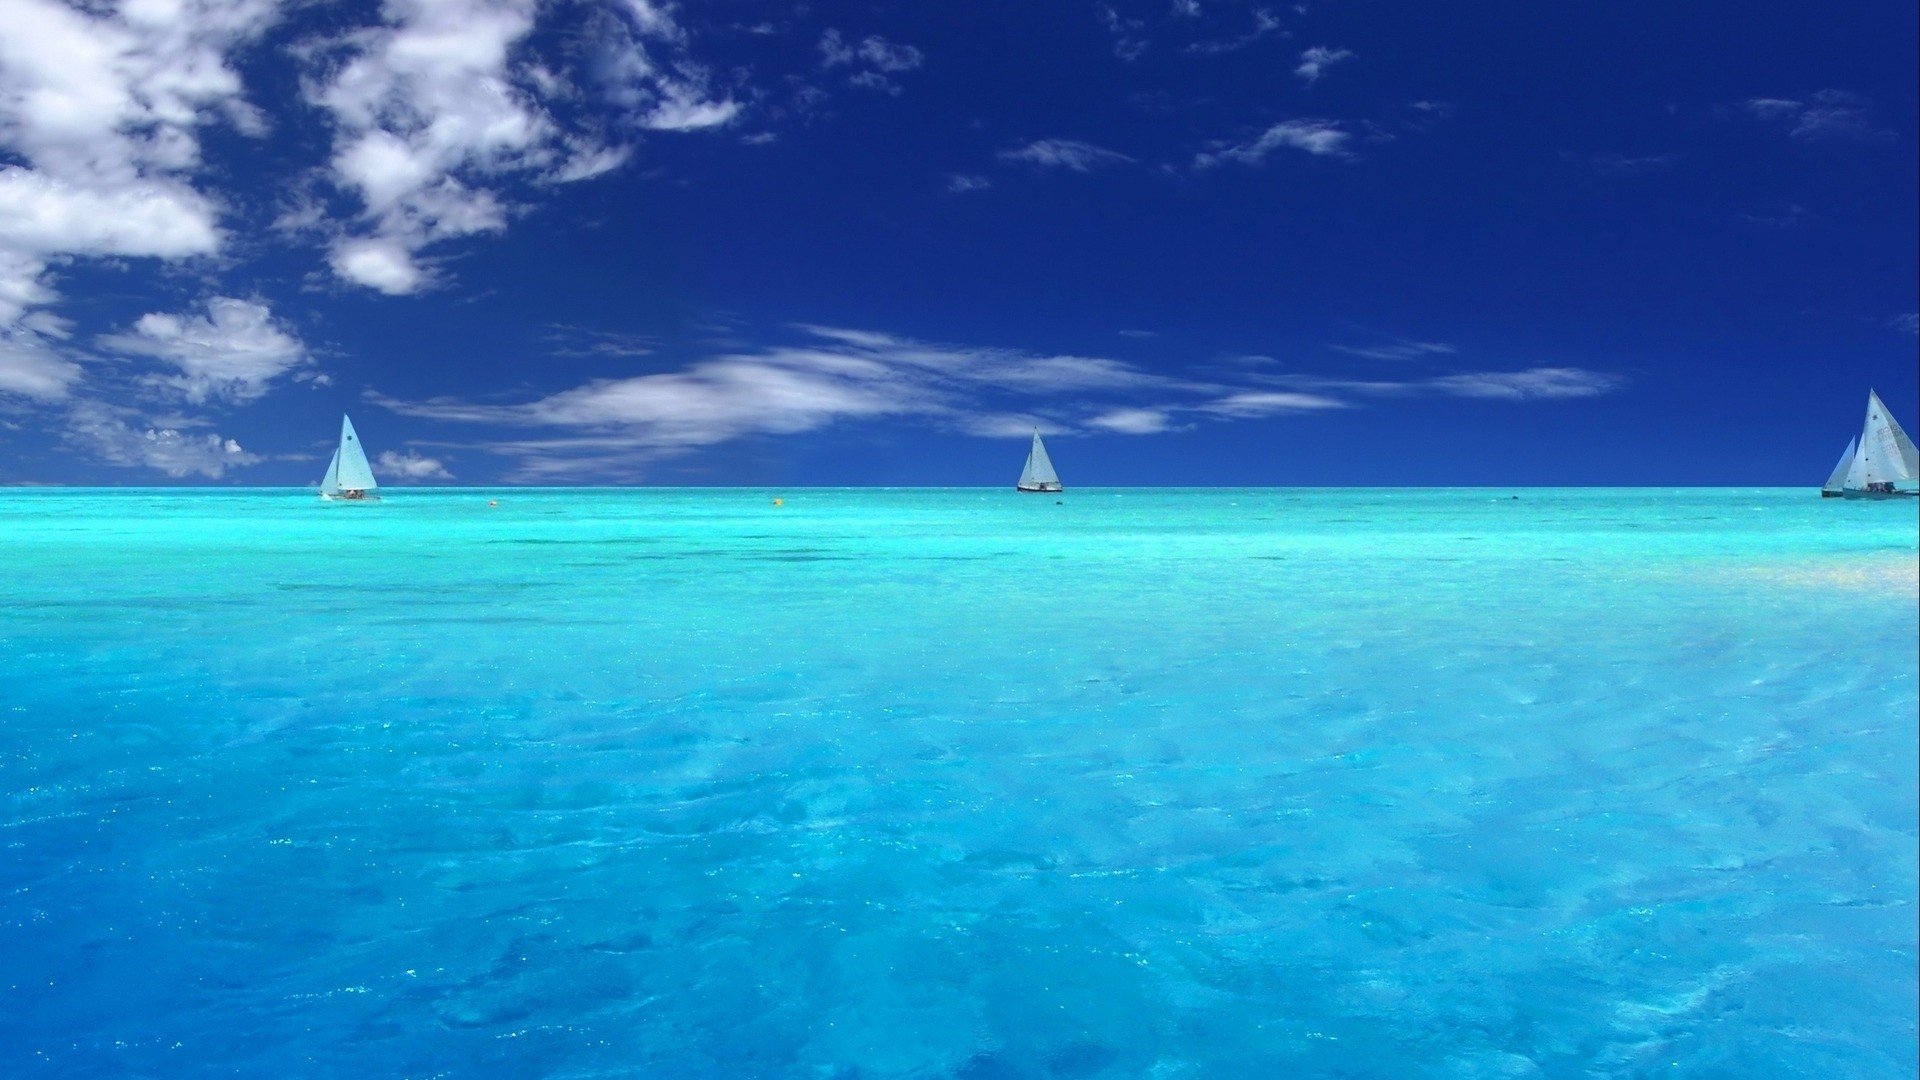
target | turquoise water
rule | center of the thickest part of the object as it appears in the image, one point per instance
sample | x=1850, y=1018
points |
x=958, y=784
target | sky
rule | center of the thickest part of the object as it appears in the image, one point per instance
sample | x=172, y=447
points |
x=1191, y=241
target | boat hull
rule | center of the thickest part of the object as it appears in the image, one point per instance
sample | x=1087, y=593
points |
x=1880, y=494
x=1039, y=489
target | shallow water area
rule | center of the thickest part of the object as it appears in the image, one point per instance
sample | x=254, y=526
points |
x=958, y=783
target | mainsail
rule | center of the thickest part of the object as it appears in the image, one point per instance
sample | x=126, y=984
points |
x=349, y=471
x=1890, y=444
x=1886, y=455
x=1039, y=474
x=1839, y=476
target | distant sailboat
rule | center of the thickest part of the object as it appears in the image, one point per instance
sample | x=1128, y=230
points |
x=1877, y=462
x=349, y=477
x=1039, y=474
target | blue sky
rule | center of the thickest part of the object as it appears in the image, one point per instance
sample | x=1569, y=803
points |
x=1196, y=241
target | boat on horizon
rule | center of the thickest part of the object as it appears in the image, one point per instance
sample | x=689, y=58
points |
x=1877, y=461
x=349, y=478
x=1038, y=475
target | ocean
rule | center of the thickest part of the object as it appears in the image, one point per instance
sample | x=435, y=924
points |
x=958, y=783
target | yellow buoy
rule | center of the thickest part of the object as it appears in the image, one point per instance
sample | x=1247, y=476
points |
x=779, y=502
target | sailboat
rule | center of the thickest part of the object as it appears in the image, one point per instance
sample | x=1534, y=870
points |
x=349, y=478
x=1039, y=474
x=1877, y=462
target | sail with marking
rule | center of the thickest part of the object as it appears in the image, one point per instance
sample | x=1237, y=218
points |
x=330, y=483
x=1838, y=478
x=354, y=474
x=1039, y=474
x=1882, y=459
x=1891, y=445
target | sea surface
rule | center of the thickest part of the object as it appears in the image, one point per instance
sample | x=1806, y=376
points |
x=958, y=783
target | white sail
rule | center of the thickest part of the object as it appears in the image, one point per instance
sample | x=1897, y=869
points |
x=1039, y=474
x=1882, y=458
x=354, y=474
x=330, y=483
x=1894, y=447
x=1838, y=478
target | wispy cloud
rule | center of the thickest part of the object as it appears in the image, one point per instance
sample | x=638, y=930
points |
x=31, y=366
x=1128, y=34
x=1826, y=114
x=1628, y=163
x=1253, y=403
x=1315, y=62
x=1321, y=138
x=1789, y=215
x=871, y=62
x=1265, y=24
x=122, y=436
x=1532, y=383
x=1526, y=384
x=961, y=183
x=838, y=375
x=564, y=339
x=1909, y=322
x=1064, y=154
x=1397, y=350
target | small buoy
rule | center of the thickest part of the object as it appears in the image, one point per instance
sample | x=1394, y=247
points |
x=779, y=502
x=493, y=502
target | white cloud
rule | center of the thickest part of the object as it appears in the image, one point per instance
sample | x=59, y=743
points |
x=1909, y=322
x=31, y=367
x=959, y=184
x=1321, y=138
x=43, y=215
x=121, y=437
x=1064, y=154
x=234, y=352
x=1315, y=62
x=438, y=112
x=411, y=466
x=100, y=109
x=1827, y=114
x=1131, y=421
